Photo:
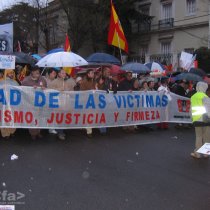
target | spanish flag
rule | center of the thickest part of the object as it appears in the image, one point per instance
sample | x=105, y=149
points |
x=67, y=48
x=116, y=36
x=23, y=73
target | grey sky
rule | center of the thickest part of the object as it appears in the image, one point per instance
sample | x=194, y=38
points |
x=7, y=3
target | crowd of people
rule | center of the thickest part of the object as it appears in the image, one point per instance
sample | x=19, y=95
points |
x=94, y=79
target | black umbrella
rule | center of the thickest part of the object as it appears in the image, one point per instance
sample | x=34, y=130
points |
x=188, y=77
x=198, y=72
x=21, y=58
x=24, y=58
x=103, y=58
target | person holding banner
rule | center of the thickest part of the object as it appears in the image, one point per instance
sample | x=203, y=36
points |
x=9, y=79
x=50, y=77
x=62, y=83
x=127, y=83
x=88, y=84
x=200, y=106
x=37, y=81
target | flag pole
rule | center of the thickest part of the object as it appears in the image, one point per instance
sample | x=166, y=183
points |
x=120, y=48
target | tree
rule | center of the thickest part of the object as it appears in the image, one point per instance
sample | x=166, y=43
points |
x=88, y=20
x=24, y=18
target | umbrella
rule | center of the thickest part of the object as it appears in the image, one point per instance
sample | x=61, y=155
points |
x=55, y=50
x=24, y=58
x=62, y=59
x=188, y=77
x=103, y=58
x=198, y=72
x=136, y=67
x=21, y=58
x=155, y=66
x=36, y=57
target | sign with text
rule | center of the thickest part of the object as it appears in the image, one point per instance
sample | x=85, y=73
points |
x=26, y=107
x=7, y=62
x=6, y=37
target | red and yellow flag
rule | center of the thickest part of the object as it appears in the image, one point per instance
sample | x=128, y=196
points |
x=116, y=36
x=23, y=73
x=67, y=48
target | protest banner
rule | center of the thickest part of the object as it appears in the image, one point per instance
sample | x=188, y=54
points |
x=26, y=107
x=7, y=62
x=6, y=37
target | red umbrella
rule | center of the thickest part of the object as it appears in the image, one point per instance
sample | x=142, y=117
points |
x=115, y=70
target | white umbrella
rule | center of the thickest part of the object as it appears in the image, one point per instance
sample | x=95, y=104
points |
x=62, y=59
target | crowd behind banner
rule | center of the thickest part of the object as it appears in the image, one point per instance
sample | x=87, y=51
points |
x=102, y=87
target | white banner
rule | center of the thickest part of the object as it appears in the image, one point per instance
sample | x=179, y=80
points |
x=26, y=107
x=6, y=37
x=7, y=62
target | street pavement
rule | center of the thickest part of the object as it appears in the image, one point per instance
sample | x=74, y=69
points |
x=148, y=170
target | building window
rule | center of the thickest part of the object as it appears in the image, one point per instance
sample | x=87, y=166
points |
x=190, y=7
x=166, y=47
x=166, y=10
x=143, y=50
x=145, y=10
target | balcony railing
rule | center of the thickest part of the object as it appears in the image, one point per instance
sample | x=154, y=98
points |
x=166, y=23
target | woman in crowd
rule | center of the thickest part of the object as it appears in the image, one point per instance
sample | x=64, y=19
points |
x=62, y=83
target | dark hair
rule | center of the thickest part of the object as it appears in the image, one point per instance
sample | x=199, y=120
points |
x=88, y=71
x=35, y=68
x=143, y=83
x=51, y=70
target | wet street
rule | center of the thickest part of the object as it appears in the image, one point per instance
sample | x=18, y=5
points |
x=148, y=170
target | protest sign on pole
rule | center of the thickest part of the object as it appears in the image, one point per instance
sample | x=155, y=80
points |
x=7, y=62
x=187, y=60
x=6, y=37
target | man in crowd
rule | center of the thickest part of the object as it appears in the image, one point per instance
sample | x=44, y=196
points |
x=151, y=85
x=126, y=84
x=88, y=84
x=62, y=83
x=35, y=80
x=50, y=77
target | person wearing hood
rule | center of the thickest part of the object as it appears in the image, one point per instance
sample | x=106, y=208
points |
x=200, y=108
x=8, y=79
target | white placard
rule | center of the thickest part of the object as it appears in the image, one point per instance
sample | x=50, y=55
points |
x=7, y=207
x=187, y=60
x=205, y=149
x=6, y=37
x=7, y=62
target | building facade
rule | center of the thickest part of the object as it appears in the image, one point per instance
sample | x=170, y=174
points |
x=173, y=26
x=177, y=25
